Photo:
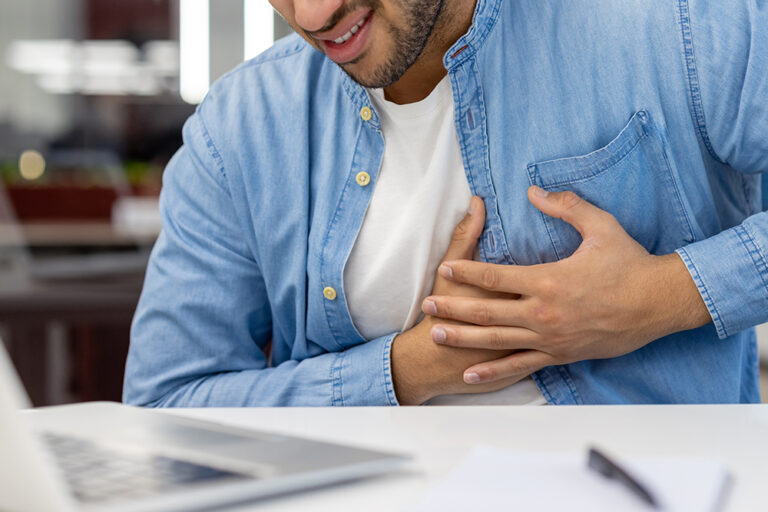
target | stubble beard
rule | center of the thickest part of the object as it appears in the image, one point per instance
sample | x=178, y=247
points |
x=408, y=41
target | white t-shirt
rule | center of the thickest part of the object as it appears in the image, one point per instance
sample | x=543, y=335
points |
x=421, y=193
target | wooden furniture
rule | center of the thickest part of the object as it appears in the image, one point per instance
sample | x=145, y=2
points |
x=69, y=340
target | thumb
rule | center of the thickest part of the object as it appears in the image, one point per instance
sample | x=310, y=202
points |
x=582, y=215
x=467, y=232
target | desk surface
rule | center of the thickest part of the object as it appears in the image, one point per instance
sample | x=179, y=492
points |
x=439, y=437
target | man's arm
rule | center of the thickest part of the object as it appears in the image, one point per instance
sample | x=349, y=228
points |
x=204, y=320
x=730, y=95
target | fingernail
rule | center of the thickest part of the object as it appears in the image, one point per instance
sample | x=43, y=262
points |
x=445, y=271
x=540, y=192
x=438, y=335
x=471, y=378
x=429, y=307
x=471, y=209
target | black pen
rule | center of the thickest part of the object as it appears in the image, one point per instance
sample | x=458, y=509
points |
x=599, y=462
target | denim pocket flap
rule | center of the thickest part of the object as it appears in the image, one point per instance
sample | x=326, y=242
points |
x=632, y=178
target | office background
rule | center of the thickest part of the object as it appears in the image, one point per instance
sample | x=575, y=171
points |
x=93, y=95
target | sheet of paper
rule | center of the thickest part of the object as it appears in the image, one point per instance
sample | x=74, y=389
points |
x=494, y=479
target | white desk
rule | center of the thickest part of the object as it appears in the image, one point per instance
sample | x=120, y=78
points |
x=439, y=437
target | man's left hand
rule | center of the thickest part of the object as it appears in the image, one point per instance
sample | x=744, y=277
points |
x=609, y=298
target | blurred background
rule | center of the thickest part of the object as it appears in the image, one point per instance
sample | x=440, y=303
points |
x=93, y=95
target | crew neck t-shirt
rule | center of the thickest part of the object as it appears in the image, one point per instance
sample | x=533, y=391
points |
x=420, y=195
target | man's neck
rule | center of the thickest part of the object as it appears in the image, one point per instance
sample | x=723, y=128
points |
x=424, y=75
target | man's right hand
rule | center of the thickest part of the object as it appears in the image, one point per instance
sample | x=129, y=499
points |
x=422, y=369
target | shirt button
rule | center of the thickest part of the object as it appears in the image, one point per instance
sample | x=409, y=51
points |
x=366, y=113
x=363, y=179
x=329, y=293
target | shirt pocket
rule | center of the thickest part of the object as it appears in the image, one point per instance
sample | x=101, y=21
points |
x=633, y=179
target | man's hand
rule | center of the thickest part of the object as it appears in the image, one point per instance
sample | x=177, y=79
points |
x=421, y=369
x=609, y=298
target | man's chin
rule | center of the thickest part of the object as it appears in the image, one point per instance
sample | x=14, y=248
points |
x=362, y=72
x=371, y=79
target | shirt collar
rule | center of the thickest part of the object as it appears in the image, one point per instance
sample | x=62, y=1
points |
x=485, y=17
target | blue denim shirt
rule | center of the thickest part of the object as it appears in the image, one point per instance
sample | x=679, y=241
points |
x=656, y=111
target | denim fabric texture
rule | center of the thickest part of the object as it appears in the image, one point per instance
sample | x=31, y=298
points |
x=656, y=111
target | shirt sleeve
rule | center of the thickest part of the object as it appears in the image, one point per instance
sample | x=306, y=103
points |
x=727, y=58
x=203, y=323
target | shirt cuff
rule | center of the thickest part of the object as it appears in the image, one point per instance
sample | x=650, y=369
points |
x=731, y=274
x=362, y=375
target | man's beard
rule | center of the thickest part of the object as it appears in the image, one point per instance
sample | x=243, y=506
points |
x=408, y=41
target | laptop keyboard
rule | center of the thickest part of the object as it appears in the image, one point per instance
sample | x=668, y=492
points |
x=96, y=473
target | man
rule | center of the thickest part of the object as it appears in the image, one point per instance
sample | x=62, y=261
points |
x=319, y=185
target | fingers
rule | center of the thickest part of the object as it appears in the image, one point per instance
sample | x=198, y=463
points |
x=582, y=215
x=493, y=338
x=467, y=232
x=519, y=364
x=506, y=312
x=511, y=279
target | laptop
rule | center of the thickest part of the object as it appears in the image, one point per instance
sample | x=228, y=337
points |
x=108, y=456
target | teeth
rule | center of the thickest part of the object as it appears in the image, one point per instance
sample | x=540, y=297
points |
x=343, y=39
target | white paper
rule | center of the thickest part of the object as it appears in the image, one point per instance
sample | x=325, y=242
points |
x=493, y=479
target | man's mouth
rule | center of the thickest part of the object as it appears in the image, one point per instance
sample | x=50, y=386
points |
x=346, y=37
x=345, y=43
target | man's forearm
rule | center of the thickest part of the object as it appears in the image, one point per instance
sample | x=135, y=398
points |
x=730, y=272
x=358, y=376
x=410, y=370
x=677, y=303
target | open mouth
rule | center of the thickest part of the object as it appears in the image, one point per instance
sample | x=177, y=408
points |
x=349, y=45
x=346, y=37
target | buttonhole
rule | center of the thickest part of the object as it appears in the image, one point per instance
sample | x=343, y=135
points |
x=459, y=51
